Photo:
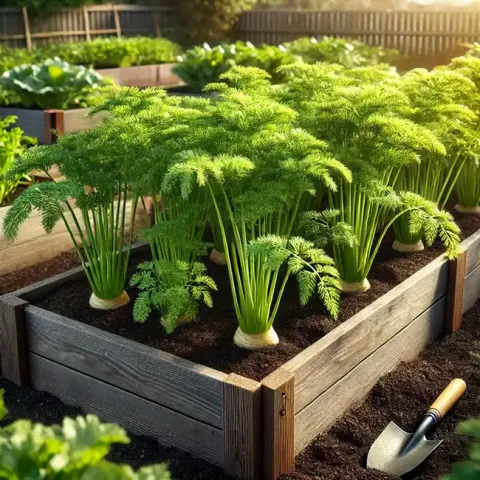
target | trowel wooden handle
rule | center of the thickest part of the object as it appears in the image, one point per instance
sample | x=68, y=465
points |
x=448, y=398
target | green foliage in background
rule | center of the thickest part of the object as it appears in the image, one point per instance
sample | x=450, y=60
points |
x=470, y=468
x=175, y=289
x=112, y=52
x=53, y=84
x=74, y=450
x=12, y=145
x=204, y=64
x=201, y=65
x=346, y=52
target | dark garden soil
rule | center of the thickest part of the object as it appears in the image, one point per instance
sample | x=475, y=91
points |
x=402, y=396
x=340, y=454
x=21, y=278
x=209, y=340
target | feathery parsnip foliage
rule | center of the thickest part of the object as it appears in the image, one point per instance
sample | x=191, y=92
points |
x=364, y=117
x=175, y=289
x=257, y=168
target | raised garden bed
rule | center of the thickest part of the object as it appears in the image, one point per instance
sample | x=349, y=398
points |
x=160, y=75
x=42, y=124
x=222, y=416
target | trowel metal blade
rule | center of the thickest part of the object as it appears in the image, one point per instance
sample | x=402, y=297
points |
x=385, y=455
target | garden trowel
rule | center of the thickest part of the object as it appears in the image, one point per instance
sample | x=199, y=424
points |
x=397, y=452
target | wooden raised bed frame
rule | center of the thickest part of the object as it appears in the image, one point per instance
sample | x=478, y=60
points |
x=252, y=429
x=160, y=75
x=42, y=124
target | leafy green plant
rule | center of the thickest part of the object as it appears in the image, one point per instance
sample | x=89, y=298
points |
x=12, y=144
x=257, y=168
x=53, y=84
x=175, y=289
x=470, y=468
x=367, y=128
x=13, y=57
x=98, y=168
x=113, y=52
x=201, y=65
x=346, y=52
x=75, y=449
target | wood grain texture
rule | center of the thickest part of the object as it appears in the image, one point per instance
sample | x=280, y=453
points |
x=455, y=293
x=278, y=390
x=320, y=414
x=77, y=120
x=472, y=289
x=138, y=76
x=242, y=424
x=319, y=366
x=32, y=122
x=137, y=415
x=13, y=349
x=472, y=246
x=166, y=76
x=168, y=380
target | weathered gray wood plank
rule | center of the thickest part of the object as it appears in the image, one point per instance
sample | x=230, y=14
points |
x=319, y=415
x=472, y=245
x=77, y=120
x=472, y=289
x=319, y=366
x=32, y=122
x=137, y=415
x=242, y=423
x=173, y=382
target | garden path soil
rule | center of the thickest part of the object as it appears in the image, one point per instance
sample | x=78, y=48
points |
x=209, y=340
x=340, y=454
x=402, y=396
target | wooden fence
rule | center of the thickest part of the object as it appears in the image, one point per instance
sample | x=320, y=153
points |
x=424, y=34
x=18, y=28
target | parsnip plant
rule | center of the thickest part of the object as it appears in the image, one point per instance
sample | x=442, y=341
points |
x=442, y=101
x=367, y=128
x=175, y=289
x=98, y=170
x=161, y=125
x=468, y=185
x=257, y=168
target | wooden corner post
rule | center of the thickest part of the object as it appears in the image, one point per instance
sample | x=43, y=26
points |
x=242, y=426
x=457, y=270
x=278, y=391
x=13, y=347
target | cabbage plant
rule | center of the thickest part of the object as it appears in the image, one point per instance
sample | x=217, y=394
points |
x=52, y=84
x=75, y=449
